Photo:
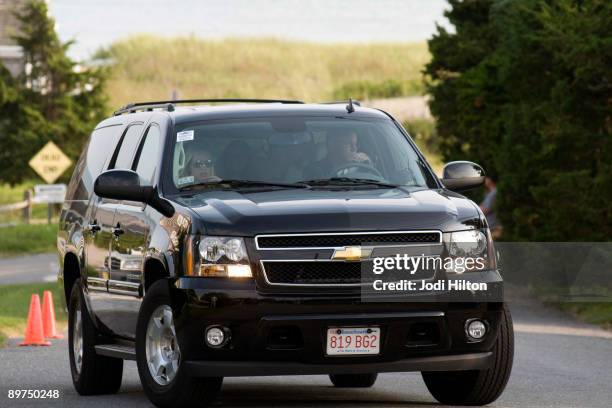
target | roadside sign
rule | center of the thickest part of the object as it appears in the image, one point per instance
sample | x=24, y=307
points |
x=49, y=193
x=50, y=162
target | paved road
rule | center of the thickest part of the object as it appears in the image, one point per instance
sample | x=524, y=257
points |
x=558, y=363
x=29, y=269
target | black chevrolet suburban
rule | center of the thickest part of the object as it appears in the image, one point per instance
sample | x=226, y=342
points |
x=224, y=238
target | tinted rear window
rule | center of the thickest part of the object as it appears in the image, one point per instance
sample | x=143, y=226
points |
x=102, y=143
x=92, y=161
x=128, y=147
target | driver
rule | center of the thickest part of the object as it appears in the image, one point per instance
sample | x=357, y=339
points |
x=341, y=151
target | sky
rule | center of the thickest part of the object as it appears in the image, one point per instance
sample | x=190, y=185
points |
x=97, y=23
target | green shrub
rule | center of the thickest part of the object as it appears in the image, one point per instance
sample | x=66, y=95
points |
x=523, y=88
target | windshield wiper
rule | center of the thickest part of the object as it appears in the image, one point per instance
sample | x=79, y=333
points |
x=237, y=183
x=348, y=181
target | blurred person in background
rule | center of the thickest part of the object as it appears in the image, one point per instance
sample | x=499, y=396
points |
x=488, y=206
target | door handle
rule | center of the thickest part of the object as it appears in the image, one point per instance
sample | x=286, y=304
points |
x=117, y=231
x=94, y=227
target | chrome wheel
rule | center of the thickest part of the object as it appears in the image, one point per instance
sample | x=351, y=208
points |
x=77, y=341
x=163, y=354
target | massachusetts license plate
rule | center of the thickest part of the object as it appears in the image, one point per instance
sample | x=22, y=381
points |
x=353, y=341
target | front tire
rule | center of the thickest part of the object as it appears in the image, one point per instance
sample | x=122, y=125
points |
x=478, y=387
x=353, y=380
x=91, y=374
x=158, y=357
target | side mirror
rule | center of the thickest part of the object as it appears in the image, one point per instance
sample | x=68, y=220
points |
x=462, y=175
x=125, y=185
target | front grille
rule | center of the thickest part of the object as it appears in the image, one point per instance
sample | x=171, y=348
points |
x=342, y=240
x=113, y=263
x=321, y=273
x=313, y=273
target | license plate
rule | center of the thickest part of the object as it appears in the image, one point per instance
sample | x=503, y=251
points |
x=353, y=341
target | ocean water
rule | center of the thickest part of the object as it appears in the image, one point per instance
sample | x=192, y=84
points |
x=97, y=23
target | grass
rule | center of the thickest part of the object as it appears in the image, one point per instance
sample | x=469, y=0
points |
x=599, y=313
x=389, y=88
x=150, y=68
x=21, y=239
x=15, y=303
x=14, y=194
x=27, y=239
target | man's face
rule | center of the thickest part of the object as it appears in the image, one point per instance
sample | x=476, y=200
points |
x=342, y=148
x=201, y=165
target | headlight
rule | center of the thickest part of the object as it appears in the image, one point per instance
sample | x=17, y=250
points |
x=468, y=251
x=222, y=257
x=132, y=265
x=467, y=243
x=214, y=249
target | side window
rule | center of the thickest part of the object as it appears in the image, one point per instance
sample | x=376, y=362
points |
x=128, y=147
x=147, y=157
x=101, y=145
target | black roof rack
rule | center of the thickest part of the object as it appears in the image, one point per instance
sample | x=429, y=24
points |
x=169, y=105
x=355, y=102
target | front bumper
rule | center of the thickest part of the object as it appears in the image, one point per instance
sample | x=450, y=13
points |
x=253, y=319
x=471, y=361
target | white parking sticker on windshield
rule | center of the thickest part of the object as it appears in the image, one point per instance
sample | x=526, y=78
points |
x=185, y=180
x=184, y=136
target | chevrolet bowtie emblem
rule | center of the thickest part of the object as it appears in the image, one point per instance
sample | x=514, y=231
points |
x=351, y=253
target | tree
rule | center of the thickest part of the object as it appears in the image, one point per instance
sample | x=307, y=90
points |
x=531, y=100
x=54, y=99
x=462, y=92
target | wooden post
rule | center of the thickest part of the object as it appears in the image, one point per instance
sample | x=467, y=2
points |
x=27, y=210
x=49, y=213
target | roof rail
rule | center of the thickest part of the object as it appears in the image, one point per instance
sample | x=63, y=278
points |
x=355, y=102
x=169, y=105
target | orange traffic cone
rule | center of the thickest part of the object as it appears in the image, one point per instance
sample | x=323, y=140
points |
x=48, y=314
x=34, y=330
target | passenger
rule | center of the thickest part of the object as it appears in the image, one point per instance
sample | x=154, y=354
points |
x=200, y=166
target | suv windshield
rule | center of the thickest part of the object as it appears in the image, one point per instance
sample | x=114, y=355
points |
x=295, y=151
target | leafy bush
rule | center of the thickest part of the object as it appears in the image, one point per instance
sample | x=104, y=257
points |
x=524, y=87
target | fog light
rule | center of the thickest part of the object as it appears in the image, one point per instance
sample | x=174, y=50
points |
x=475, y=329
x=216, y=336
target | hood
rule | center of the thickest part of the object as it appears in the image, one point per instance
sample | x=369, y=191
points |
x=300, y=211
